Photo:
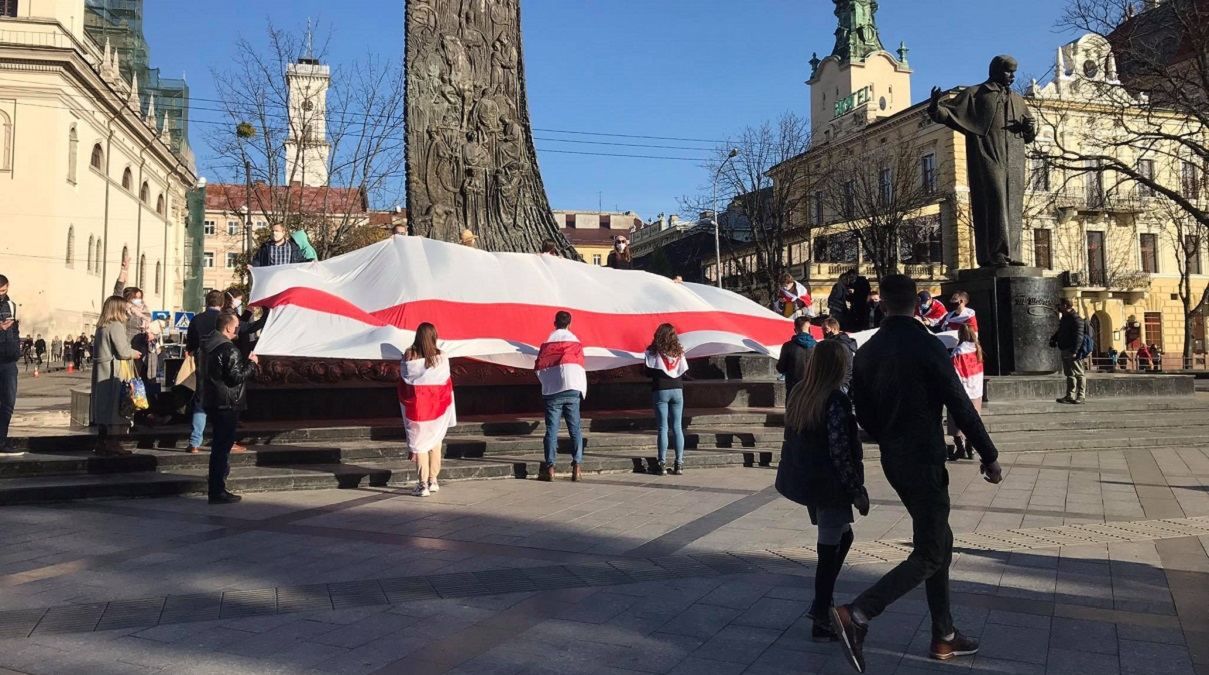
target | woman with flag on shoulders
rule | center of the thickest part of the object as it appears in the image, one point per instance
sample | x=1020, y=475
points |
x=792, y=298
x=666, y=365
x=426, y=399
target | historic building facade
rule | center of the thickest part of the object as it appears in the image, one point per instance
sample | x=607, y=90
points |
x=88, y=174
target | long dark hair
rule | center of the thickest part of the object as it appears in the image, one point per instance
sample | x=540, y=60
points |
x=425, y=345
x=825, y=371
x=666, y=341
x=966, y=334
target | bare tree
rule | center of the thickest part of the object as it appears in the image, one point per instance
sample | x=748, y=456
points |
x=760, y=212
x=264, y=145
x=1186, y=236
x=877, y=196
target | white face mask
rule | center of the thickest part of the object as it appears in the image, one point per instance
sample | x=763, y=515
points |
x=237, y=303
x=620, y=246
x=278, y=235
x=137, y=302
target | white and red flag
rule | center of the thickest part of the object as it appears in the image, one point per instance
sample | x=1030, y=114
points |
x=933, y=313
x=495, y=307
x=792, y=300
x=955, y=320
x=560, y=364
x=969, y=368
x=672, y=366
x=426, y=399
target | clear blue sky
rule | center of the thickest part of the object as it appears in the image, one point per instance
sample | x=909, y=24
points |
x=700, y=69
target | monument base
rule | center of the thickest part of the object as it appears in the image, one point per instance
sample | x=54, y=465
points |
x=1017, y=315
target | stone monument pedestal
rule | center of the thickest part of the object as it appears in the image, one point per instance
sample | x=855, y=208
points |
x=1017, y=315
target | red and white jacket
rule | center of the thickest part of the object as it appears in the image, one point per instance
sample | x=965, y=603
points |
x=932, y=314
x=798, y=298
x=426, y=399
x=673, y=366
x=955, y=320
x=969, y=368
x=560, y=364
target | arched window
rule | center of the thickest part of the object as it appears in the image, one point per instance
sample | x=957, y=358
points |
x=142, y=270
x=127, y=179
x=145, y=192
x=159, y=205
x=6, y=142
x=71, y=245
x=98, y=158
x=90, y=251
x=158, y=272
x=97, y=258
x=73, y=143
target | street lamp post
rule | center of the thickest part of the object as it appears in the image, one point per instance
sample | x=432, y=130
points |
x=717, y=237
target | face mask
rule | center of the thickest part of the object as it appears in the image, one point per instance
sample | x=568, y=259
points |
x=278, y=236
x=237, y=303
x=137, y=302
x=620, y=246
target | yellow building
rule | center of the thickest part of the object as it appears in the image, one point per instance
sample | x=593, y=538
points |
x=87, y=175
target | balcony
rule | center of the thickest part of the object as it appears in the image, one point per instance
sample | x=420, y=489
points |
x=43, y=34
x=1091, y=201
x=824, y=271
x=1128, y=285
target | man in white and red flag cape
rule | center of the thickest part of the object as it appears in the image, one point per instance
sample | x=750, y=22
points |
x=960, y=313
x=495, y=307
x=560, y=369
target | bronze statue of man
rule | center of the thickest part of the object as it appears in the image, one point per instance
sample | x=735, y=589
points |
x=996, y=123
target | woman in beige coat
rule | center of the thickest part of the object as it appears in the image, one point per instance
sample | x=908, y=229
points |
x=112, y=346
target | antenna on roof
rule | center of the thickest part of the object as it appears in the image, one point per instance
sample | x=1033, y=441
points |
x=310, y=41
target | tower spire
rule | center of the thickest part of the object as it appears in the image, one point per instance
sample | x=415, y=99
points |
x=856, y=36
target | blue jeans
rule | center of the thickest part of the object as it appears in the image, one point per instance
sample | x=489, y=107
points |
x=8, y=397
x=564, y=404
x=669, y=408
x=199, y=426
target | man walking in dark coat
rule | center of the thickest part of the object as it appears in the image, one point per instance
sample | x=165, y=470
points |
x=902, y=378
x=227, y=374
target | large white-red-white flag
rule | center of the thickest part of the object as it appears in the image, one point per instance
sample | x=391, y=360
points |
x=560, y=364
x=495, y=307
x=426, y=399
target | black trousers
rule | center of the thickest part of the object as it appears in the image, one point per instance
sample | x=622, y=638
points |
x=224, y=424
x=924, y=490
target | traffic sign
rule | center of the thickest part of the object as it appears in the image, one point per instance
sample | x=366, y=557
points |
x=161, y=315
x=181, y=320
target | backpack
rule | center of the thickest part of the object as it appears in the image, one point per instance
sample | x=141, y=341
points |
x=1087, y=346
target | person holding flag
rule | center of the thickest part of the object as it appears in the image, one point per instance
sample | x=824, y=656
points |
x=426, y=399
x=564, y=380
x=959, y=313
x=666, y=366
x=793, y=299
x=929, y=311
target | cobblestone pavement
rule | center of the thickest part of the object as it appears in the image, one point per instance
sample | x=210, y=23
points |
x=1078, y=563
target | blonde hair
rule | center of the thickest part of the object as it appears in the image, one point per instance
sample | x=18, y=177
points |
x=115, y=309
x=825, y=372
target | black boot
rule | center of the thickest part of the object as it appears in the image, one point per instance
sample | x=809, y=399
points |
x=969, y=450
x=824, y=587
x=677, y=469
x=659, y=469
x=959, y=448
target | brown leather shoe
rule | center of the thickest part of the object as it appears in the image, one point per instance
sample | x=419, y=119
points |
x=546, y=472
x=852, y=636
x=960, y=645
x=238, y=449
x=193, y=450
x=576, y=474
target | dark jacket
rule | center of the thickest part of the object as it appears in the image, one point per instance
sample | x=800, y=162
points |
x=248, y=327
x=794, y=355
x=850, y=347
x=1070, y=332
x=901, y=378
x=200, y=330
x=227, y=373
x=10, y=340
x=858, y=318
x=837, y=300
x=618, y=263
x=262, y=259
x=823, y=467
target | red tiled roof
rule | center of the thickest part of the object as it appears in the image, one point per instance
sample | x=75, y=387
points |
x=387, y=218
x=598, y=236
x=232, y=197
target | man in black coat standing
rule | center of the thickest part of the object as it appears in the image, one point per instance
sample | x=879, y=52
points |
x=1069, y=340
x=795, y=354
x=902, y=378
x=227, y=374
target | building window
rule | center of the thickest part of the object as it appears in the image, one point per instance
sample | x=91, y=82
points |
x=818, y=208
x=159, y=270
x=145, y=193
x=8, y=8
x=1190, y=180
x=885, y=186
x=1097, y=273
x=96, y=259
x=159, y=205
x=1094, y=185
x=849, y=199
x=71, y=245
x=1043, y=255
x=208, y=227
x=231, y=260
x=606, y=222
x=1039, y=175
x=127, y=179
x=98, y=158
x=6, y=141
x=260, y=225
x=927, y=167
x=1146, y=171
x=842, y=247
x=232, y=227
x=920, y=241
x=1152, y=323
x=1192, y=253
x=569, y=220
x=596, y=259
x=73, y=150
x=88, y=253
x=208, y=260
x=142, y=270
x=1148, y=246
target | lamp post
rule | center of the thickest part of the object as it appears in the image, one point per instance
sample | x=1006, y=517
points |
x=717, y=237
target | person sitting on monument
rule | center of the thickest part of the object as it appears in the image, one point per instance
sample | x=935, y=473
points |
x=620, y=258
x=549, y=247
x=822, y=468
x=959, y=314
x=468, y=239
x=929, y=311
x=793, y=298
x=280, y=249
x=967, y=361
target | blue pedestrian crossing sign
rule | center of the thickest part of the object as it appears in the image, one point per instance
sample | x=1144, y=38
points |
x=181, y=320
x=161, y=315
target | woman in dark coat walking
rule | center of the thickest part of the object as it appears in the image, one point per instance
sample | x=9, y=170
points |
x=821, y=468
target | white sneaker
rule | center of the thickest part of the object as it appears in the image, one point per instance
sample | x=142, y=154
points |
x=433, y=486
x=421, y=490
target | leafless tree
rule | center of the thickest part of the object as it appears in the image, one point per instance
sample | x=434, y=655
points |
x=364, y=119
x=877, y=196
x=759, y=212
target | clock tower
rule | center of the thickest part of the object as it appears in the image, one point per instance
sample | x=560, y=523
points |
x=307, y=147
x=859, y=82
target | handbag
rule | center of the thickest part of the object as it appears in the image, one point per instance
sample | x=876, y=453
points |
x=134, y=391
